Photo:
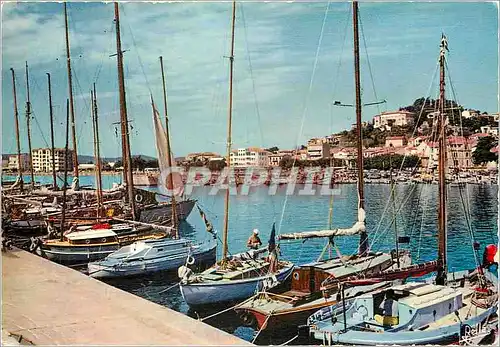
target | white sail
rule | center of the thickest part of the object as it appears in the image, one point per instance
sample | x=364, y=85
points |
x=163, y=150
x=357, y=228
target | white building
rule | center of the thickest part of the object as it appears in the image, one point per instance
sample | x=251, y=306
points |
x=246, y=157
x=42, y=159
x=12, y=163
x=397, y=118
x=318, y=149
x=469, y=113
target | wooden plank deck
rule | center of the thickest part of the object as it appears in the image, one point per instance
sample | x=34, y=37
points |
x=50, y=304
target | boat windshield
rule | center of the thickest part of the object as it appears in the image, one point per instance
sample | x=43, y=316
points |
x=137, y=248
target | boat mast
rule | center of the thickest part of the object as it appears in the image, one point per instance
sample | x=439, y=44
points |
x=71, y=105
x=63, y=218
x=127, y=160
x=229, y=129
x=169, y=156
x=97, y=152
x=28, y=128
x=363, y=238
x=442, y=266
x=16, y=121
x=54, y=177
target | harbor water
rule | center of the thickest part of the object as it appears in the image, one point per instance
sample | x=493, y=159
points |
x=472, y=216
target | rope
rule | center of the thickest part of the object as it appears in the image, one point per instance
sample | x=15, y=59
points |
x=304, y=112
x=172, y=286
x=261, y=328
x=368, y=62
x=291, y=340
x=227, y=309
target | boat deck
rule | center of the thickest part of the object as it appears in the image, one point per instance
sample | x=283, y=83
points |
x=49, y=304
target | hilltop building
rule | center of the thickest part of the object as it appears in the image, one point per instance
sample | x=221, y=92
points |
x=387, y=120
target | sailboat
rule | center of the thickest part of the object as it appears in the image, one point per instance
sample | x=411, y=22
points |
x=316, y=285
x=167, y=253
x=142, y=205
x=237, y=277
x=415, y=313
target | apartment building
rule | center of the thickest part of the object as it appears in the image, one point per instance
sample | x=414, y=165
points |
x=318, y=149
x=247, y=157
x=42, y=159
x=12, y=162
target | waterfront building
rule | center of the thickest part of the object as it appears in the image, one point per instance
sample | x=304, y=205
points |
x=318, y=149
x=396, y=118
x=200, y=156
x=42, y=159
x=248, y=157
x=12, y=162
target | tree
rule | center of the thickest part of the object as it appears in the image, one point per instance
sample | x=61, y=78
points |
x=273, y=149
x=388, y=161
x=216, y=165
x=483, y=153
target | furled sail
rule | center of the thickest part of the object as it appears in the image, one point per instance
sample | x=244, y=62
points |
x=163, y=149
x=357, y=228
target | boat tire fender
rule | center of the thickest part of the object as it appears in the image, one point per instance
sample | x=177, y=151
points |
x=190, y=260
x=138, y=198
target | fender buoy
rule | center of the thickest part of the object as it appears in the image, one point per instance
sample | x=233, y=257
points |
x=138, y=198
x=190, y=260
x=35, y=243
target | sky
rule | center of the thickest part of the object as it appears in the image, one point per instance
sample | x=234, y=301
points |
x=292, y=60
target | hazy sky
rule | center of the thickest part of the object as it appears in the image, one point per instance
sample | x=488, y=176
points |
x=276, y=47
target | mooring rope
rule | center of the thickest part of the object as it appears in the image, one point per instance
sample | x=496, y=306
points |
x=227, y=309
x=291, y=340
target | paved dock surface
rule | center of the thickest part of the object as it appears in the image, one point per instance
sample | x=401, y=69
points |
x=49, y=304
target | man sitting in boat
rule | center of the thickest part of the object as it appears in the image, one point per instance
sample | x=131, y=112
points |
x=389, y=307
x=254, y=241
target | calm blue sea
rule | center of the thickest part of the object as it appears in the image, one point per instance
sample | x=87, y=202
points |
x=416, y=211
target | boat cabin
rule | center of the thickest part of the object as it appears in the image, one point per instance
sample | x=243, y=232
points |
x=413, y=306
x=307, y=280
x=92, y=237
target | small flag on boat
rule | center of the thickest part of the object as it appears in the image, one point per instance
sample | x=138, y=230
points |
x=272, y=239
x=404, y=239
x=208, y=225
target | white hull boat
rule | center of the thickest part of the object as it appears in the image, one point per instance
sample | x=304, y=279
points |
x=148, y=256
x=214, y=286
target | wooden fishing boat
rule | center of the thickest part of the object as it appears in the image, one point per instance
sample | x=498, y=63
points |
x=90, y=243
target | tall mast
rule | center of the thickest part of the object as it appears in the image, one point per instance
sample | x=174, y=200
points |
x=363, y=238
x=229, y=129
x=97, y=152
x=65, y=184
x=16, y=122
x=52, y=149
x=28, y=128
x=441, y=274
x=169, y=157
x=127, y=160
x=71, y=106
